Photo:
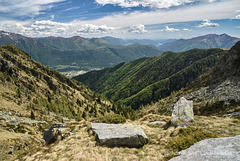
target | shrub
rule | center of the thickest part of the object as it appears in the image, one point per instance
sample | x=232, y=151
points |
x=189, y=136
x=112, y=119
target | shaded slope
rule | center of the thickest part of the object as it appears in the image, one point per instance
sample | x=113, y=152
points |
x=215, y=92
x=149, y=79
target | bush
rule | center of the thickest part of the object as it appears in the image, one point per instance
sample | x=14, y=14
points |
x=189, y=136
x=112, y=119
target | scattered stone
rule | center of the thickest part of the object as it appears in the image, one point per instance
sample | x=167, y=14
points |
x=158, y=123
x=215, y=149
x=182, y=112
x=57, y=131
x=15, y=120
x=120, y=135
x=221, y=132
x=11, y=150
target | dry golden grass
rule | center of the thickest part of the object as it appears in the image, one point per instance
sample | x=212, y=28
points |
x=82, y=146
x=22, y=144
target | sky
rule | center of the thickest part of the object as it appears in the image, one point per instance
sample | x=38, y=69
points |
x=141, y=19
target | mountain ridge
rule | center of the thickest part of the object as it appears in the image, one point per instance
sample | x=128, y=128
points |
x=148, y=79
x=201, y=42
x=77, y=53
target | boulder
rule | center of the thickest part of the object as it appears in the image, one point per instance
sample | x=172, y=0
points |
x=182, y=112
x=215, y=149
x=120, y=135
x=56, y=132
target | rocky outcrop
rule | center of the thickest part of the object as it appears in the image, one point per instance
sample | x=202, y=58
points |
x=56, y=132
x=216, y=149
x=182, y=112
x=226, y=91
x=13, y=119
x=120, y=135
x=220, y=85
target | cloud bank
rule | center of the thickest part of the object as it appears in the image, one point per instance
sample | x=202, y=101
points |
x=145, y=3
x=51, y=28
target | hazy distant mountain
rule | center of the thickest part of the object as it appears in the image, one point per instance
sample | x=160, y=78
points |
x=124, y=42
x=201, y=42
x=77, y=53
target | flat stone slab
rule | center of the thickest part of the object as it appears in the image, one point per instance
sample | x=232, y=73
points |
x=215, y=149
x=120, y=135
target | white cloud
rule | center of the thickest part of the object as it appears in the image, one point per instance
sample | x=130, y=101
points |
x=12, y=8
x=185, y=29
x=207, y=23
x=51, y=28
x=237, y=17
x=169, y=29
x=93, y=29
x=138, y=29
x=145, y=3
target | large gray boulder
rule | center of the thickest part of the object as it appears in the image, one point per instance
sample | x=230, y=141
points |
x=182, y=112
x=216, y=149
x=121, y=135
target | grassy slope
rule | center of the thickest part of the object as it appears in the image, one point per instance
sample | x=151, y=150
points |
x=149, y=79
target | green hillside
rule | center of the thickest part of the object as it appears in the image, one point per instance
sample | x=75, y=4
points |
x=30, y=86
x=148, y=79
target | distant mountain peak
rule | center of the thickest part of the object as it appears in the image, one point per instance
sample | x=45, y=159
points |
x=201, y=42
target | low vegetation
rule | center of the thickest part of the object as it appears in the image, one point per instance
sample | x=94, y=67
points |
x=112, y=119
x=188, y=136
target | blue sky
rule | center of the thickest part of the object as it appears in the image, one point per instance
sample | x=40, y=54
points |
x=153, y=19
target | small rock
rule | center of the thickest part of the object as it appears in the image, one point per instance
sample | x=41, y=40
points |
x=11, y=149
x=183, y=124
x=158, y=123
x=56, y=131
x=218, y=132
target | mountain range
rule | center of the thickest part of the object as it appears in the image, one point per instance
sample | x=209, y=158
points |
x=144, y=80
x=201, y=42
x=77, y=53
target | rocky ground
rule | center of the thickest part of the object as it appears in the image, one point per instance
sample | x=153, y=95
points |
x=81, y=145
